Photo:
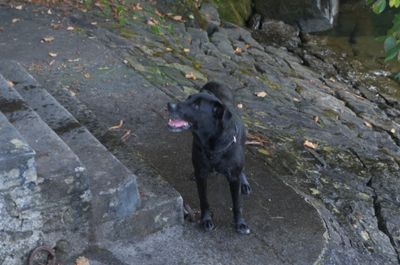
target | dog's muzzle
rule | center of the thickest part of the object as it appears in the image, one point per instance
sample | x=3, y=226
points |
x=176, y=124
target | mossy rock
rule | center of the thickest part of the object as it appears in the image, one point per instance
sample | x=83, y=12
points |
x=235, y=11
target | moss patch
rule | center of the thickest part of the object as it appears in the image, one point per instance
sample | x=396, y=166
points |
x=235, y=11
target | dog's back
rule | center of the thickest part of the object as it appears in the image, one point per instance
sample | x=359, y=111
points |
x=222, y=92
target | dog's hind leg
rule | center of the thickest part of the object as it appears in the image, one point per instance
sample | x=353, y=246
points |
x=206, y=220
x=240, y=225
x=244, y=184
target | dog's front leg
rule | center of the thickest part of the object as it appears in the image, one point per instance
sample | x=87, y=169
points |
x=244, y=184
x=240, y=224
x=206, y=220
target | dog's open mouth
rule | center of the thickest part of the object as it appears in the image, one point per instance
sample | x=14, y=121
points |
x=178, y=125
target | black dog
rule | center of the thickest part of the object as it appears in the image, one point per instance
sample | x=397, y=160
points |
x=218, y=144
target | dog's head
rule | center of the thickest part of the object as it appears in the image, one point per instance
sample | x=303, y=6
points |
x=201, y=111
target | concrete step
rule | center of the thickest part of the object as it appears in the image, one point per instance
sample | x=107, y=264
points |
x=52, y=208
x=117, y=213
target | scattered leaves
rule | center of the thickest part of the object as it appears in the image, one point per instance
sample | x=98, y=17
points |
x=158, y=13
x=15, y=20
x=82, y=261
x=126, y=135
x=53, y=54
x=115, y=127
x=310, y=144
x=369, y=125
x=261, y=94
x=256, y=139
x=238, y=51
x=47, y=39
x=136, y=7
x=177, y=18
x=70, y=28
x=314, y=191
x=152, y=22
x=190, y=75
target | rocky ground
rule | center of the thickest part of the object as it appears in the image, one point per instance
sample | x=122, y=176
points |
x=333, y=138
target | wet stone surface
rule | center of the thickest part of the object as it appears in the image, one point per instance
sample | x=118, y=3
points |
x=350, y=177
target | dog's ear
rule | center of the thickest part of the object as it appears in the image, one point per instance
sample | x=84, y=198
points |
x=221, y=112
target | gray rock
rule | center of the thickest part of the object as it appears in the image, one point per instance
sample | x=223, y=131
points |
x=278, y=33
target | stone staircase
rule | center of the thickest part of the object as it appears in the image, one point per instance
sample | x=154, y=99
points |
x=59, y=185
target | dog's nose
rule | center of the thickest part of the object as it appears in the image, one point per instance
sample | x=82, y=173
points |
x=172, y=106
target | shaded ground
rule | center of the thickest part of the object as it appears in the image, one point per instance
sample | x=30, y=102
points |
x=351, y=177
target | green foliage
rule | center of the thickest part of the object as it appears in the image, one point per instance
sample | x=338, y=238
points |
x=391, y=42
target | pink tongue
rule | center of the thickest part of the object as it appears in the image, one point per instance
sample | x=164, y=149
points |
x=177, y=123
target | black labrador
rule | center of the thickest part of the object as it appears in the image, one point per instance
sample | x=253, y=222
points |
x=218, y=144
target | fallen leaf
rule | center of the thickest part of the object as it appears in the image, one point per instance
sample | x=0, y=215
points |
x=333, y=80
x=15, y=20
x=314, y=191
x=87, y=75
x=393, y=130
x=99, y=5
x=136, y=7
x=369, y=125
x=10, y=83
x=316, y=119
x=296, y=99
x=158, y=13
x=52, y=62
x=53, y=54
x=168, y=49
x=56, y=26
x=94, y=23
x=152, y=22
x=248, y=46
x=49, y=12
x=263, y=151
x=47, y=39
x=121, y=122
x=74, y=60
x=177, y=18
x=310, y=144
x=186, y=50
x=82, y=261
x=70, y=28
x=238, y=51
x=240, y=106
x=125, y=61
x=18, y=7
x=365, y=235
x=190, y=75
x=261, y=94
x=126, y=135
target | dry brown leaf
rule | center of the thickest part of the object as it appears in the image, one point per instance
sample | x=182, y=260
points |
x=121, y=122
x=53, y=54
x=10, y=83
x=316, y=119
x=190, y=75
x=168, y=49
x=136, y=7
x=82, y=261
x=152, y=22
x=296, y=99
x=158, y=13
x=47, y=39
x=310, y=144
x=248, y=46
x=238, y=51
x=369, y=125
x=15, y=20
x=70, y=28
x=126, y=135
x=177, y=18
x=261, y=94
x=56, y=26
x=186, y=50
x=87, y=75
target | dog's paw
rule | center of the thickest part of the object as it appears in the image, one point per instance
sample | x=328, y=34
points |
x=245, y=188
x=242, y=228
x=208, y=225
